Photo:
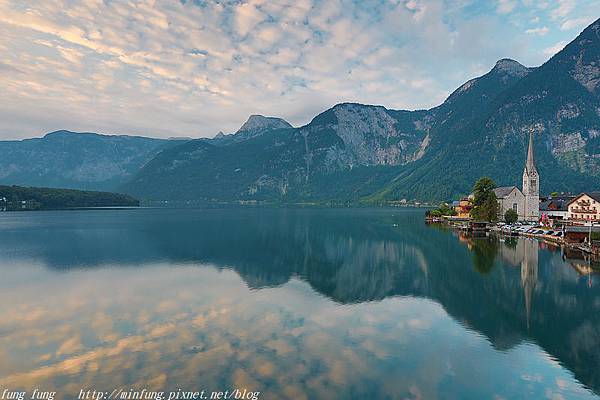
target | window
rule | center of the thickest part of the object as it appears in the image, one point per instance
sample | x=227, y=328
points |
x=515, y=206
x=533, y=182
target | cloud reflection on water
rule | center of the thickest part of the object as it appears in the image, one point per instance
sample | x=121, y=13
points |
x=292, y=304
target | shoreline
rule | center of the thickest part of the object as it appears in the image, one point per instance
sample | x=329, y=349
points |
x=496, y=230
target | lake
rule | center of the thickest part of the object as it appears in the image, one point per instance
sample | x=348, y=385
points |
x=291, y=303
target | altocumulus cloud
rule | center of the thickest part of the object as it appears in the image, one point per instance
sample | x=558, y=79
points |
x=192, y=68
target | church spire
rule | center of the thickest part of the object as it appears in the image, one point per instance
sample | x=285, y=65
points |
x=530, y=165
x=531, y=184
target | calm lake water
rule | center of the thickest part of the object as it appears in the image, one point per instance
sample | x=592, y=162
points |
x=299, y=304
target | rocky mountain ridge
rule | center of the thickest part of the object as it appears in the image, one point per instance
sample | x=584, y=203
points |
x=258, y=123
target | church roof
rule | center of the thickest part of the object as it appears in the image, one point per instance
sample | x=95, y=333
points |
x=502, y=192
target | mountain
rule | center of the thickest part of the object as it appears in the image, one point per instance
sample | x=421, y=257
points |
x=558, y=100
x=359, y=153
x=257, y=124
x=276, y=161
x=76, y=160
x=365, y=153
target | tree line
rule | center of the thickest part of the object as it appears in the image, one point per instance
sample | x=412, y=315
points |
x=13, y=198
x=485, y=204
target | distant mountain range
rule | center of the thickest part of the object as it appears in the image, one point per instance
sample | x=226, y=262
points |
x=71, y=160
x=355, y=152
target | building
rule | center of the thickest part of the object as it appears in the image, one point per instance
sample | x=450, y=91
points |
x=463, y=207
x=526, y=202
x=580, y=234
x=556, y=207
x=531, y=185
x=510, y=197
x=585, y=208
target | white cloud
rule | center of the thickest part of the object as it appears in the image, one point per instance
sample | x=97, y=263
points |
x=552, y=50
x=537, y=31
x=173, y=69
x=412, y=5
x=506, y=6
x=247, y=16
x=563, y=9
x=576, y=23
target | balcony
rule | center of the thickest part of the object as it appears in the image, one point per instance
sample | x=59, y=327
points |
x=577, y=210
x=582, y=217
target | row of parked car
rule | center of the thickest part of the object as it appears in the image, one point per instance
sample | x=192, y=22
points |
x=519, y=229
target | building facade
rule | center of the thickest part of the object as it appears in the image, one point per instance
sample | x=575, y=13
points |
x=531, y=185
x=585, y=208
x=463, y=207
x=510, y=197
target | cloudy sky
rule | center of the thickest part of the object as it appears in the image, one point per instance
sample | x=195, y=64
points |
x=193, y=68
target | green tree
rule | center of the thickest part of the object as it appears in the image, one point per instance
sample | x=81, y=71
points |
x=511, y=216
x=491, y=208
x=435, y=213
x=446, y=209
x=485, y=203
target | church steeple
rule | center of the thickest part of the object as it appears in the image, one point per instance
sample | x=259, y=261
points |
x=531, y=184
x=530, y=165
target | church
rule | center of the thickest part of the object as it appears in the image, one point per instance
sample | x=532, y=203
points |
x=526, y=202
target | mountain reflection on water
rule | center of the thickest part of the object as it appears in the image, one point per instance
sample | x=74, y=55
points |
x=514, y=291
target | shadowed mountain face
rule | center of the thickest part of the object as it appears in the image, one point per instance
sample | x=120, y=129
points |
x=513, y=292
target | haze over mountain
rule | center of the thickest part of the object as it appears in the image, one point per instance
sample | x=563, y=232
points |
x=354, y=152
x=64, y=159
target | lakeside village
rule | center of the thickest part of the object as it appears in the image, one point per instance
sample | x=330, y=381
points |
x=571, y=220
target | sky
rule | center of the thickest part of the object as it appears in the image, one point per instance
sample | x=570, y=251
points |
x=194, y=68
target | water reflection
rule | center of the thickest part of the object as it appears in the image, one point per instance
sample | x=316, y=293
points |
x=559, y=299
x=153, y=310
x=529, y=273
x=521, y=253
